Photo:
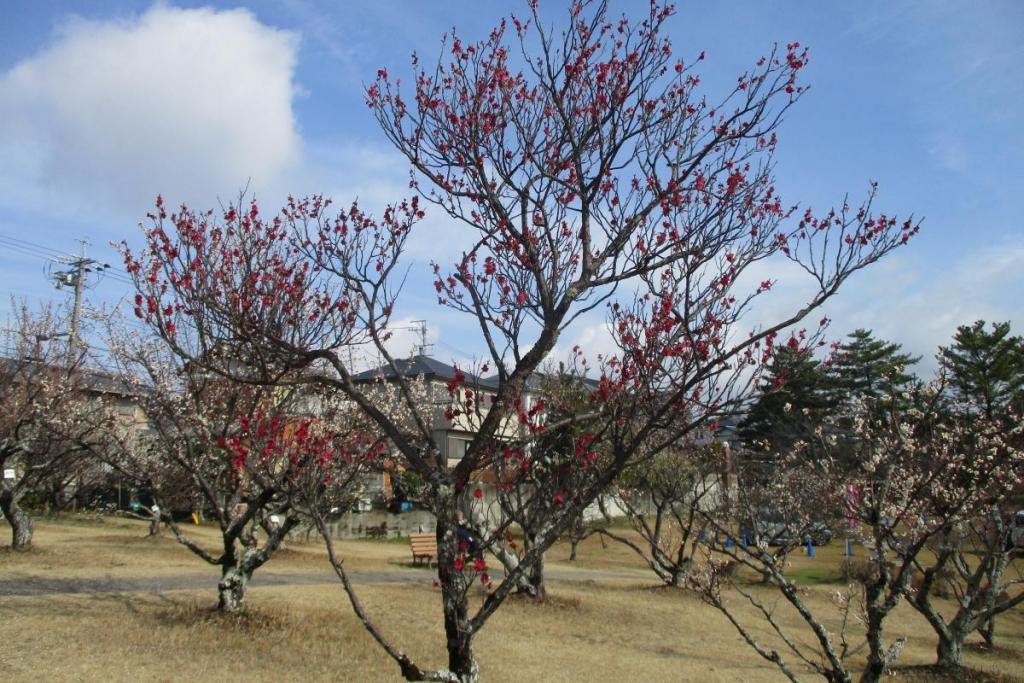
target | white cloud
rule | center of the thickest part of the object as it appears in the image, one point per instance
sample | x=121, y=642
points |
x=189, y=102
x=918, y=304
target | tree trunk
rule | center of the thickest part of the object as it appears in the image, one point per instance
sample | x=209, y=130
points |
x=457, y=629
x=461, y=661
x=574, y=543
x=53, y=501
x=21, y=523
x=231, y=589
x=535, y=576
x=877, y=653
x=951, y=650
x=270, y=528
x=988, y=632
x=531, y=581
x=678, y=577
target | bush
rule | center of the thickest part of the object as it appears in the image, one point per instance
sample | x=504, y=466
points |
x=857, y=570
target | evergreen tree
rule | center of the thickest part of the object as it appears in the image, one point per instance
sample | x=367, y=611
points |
x=870, y=368
x=986, y=368
x=795, y=398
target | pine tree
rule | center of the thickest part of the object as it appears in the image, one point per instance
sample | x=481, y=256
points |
x=795, y=398
x=866, y=367
x=986, y=368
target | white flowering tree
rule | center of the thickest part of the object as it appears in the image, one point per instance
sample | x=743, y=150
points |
x=48, y=419
x=666, y=498
x=920, y=475
x=974, y=562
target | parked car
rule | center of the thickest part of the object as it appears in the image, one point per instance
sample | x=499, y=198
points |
x=1016, y=536
x=777, y=529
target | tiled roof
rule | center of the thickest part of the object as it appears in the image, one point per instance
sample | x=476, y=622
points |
x=96, y=381
x=425, y=366
x=536, y=381
x=432, y=368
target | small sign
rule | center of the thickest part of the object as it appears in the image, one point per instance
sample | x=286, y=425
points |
x=10, y=474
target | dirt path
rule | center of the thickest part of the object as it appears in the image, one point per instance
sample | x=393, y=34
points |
x=39, y=585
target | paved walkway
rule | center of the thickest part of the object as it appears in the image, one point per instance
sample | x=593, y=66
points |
x=38, y=585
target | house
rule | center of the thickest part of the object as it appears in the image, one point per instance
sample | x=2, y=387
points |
x=452, y=433
x=451, y=436
x=59, y=468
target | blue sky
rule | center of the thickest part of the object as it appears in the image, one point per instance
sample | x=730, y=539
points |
x=103, y=105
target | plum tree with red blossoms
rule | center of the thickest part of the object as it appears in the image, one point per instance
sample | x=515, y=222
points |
x=582, y=163
x=251, y=457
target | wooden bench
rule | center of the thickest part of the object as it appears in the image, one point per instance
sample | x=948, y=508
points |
x=377, y=531
x=424, y=547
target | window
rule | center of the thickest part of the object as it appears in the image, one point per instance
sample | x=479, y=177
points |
x=457, y=447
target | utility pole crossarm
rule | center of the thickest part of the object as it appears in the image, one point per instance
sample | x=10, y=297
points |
x=75, y=276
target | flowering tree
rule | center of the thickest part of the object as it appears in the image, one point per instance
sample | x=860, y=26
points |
x=581, y=163
x=919, y=476
x=666, y=499
x=250, y=457
x=48, y=420
x=539, y=471
x=779, y=506
x=974, y=561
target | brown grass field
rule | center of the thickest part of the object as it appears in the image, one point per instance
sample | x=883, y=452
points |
x=607, y=619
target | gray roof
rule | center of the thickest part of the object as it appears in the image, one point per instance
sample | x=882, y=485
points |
x=431, y=368
x=96, y=381
x=536, y=381
x=425, y=366
x=106, y=383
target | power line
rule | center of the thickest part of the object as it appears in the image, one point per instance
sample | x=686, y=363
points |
x=51, y=255
x=25, y=250
x=32, y=245
x=34, y=248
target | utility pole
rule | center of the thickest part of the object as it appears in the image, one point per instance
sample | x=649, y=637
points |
x=76, y=312
x=75, y=276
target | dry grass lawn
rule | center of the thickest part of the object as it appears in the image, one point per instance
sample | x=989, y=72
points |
x=600, y=628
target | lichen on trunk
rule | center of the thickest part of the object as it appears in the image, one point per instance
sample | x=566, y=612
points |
x=231, y=590
x=21, y=523
x=950, y=652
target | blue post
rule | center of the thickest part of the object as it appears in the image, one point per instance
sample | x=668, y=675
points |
x=728, y=541
x=746, y=541
x=849, y=548
x=810, y=548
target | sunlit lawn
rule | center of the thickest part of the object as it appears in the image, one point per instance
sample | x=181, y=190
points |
x=603, y=628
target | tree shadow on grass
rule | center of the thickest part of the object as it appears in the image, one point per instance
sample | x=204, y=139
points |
x=193, y=613
x=997, y=652
x=921, y=674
